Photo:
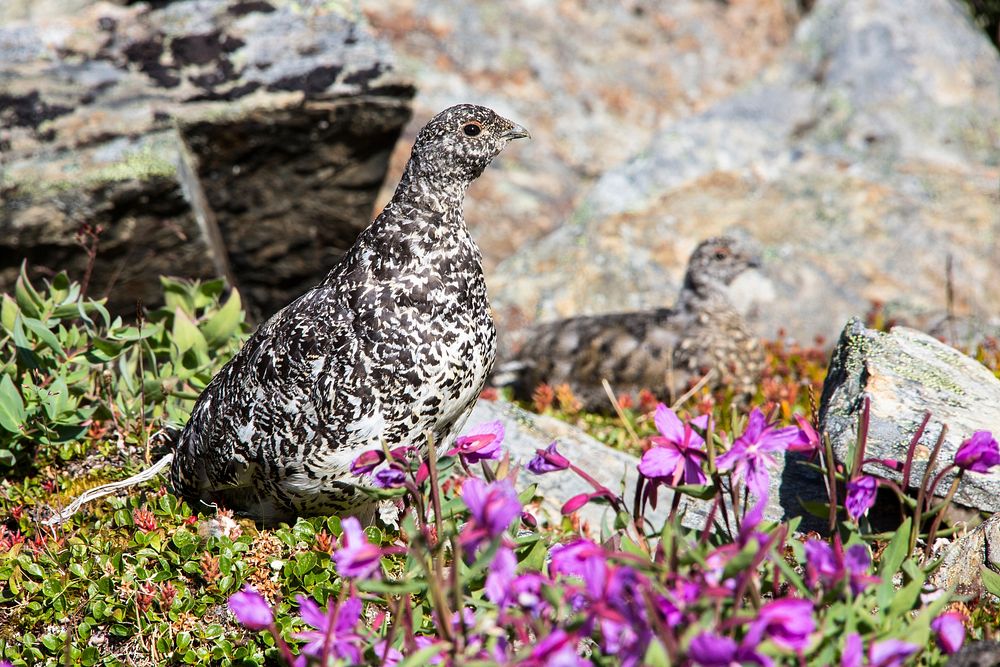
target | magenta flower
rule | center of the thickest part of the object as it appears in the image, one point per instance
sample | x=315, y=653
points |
x=357, y=557
x=558, y=649
x=677, y=452
x=423, y=641
x=386, y=655
x=251, y=609
x=788, y=622
x=334, y=630
x=482, y=442
x=367, y=461
x=890, y=653
x=821, y=563
x=853, y=654
x=807, y=440
x=547, y=460
x=389, y=477
x=501, y=576
x=753, y=452
x=857, y=562
x=712, y=650
x=860, y=496
x=950, y=631
x=571, y=558
x=979, y=453
x=829, y=565
x=492, y=508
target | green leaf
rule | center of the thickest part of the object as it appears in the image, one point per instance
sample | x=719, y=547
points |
x=221, y=326
x=905, y=598
x=380, y=586
x=44, y=334
x=28, y=299
x=895, y=553
x=52, y=642
x=186, y=335
x=12, y=413
x=656, y=655
x=991, y=580
x=8, y=312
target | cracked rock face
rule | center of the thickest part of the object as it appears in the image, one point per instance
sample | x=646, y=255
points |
x=906, y=373
x=246, y=139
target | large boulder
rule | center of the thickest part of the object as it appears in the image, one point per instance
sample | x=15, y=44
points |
x=864, y=160
x=905, y=374
x=204, y=138
x=592, y=80
x=962, y=560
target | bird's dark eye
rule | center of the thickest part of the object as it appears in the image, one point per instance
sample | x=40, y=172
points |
x=472, y=129
x=721, y=254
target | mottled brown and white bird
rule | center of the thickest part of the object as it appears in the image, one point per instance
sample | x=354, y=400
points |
x=396, y=342
x=666, y=350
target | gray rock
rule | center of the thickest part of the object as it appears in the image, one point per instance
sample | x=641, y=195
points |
x=862, y=160
x=206, y=138
x=977, y=654
x=593, y=81
x=906, y=373
x=526, y=432
x=962, y=559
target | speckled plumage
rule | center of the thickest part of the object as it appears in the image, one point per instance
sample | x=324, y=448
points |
x=665, y=350
x=395, y=343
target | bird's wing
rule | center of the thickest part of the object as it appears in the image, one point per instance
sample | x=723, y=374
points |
x=269, y=398
x=632, y=348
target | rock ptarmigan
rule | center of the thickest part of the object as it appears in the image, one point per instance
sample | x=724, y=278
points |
x=394, y=344
x=665, y=351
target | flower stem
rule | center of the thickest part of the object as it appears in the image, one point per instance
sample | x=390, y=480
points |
x=922, y=493
x=286, y=651
x=940, y=514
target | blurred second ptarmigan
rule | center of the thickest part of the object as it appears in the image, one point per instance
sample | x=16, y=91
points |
x=395, y=343
x=667, y=351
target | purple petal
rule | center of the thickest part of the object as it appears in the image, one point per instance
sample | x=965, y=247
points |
x=251, y=609
x=821, y=562
x=860, y=496
x=979, y=453
x=693, y=474
x=367, y=461
x=474, y=495
x=668, y=424
x=890, y=653
x=311, y=613
x=548, y=460
x=660, y=462
x=502, y=569
x=348, y=615
x=711, y=650
x=950, y=631
x=853, y=653
x=788, y=622
x=857, y=559
x=757, y=478
x=756, y=424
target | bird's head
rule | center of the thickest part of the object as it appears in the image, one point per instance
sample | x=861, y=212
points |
x=718, y=261
x=459, y=143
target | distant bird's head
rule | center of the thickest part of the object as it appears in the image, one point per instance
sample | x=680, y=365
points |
x=456, y=145
x=718, y=261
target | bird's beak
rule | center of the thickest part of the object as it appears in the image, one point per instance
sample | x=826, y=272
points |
x=516, y=132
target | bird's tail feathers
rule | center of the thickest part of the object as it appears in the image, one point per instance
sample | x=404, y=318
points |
x=509, y=373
